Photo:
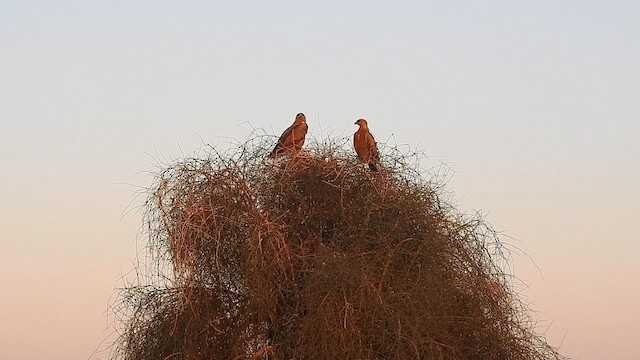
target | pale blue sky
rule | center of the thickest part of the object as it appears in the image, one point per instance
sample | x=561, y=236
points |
x=534, y=106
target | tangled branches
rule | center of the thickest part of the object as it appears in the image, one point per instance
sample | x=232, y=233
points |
x=316, y=257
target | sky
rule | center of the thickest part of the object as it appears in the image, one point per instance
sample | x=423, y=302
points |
x=532, y=105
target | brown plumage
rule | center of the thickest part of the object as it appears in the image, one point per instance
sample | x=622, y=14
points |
x=292, y=138
x=365, y=145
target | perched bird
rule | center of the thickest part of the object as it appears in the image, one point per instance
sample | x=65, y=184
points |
x=292, y=139
x=365, y=145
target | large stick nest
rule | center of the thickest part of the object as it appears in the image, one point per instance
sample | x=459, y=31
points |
x=316, y=257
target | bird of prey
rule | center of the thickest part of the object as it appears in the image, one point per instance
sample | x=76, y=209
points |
x=292, y=138
x=365, y=145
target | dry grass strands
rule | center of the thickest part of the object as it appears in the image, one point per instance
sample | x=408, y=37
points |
x=316, y=257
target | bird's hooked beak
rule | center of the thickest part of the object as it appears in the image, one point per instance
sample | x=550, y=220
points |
x=357, y=122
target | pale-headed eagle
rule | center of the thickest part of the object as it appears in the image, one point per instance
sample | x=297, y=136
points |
x=292, y=139
x=365, y=145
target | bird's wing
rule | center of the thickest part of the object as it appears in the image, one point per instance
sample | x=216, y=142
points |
x=372, y=147
x=281, y=141
x=285, y=135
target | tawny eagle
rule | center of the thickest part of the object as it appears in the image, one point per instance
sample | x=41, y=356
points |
x=365, y=145
x=292, y=138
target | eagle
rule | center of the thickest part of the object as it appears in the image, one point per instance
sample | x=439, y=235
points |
x=365, y=145
x=292, y=138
